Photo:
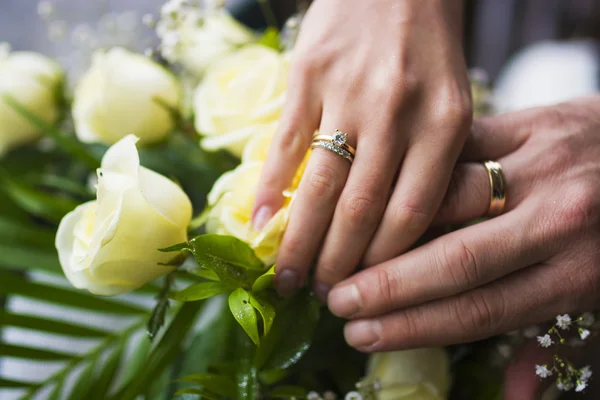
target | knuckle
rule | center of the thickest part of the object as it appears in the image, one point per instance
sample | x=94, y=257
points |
x=455, y=107
x=386, y=287
x=360, y=208
x=292, y=249
x=460, y=263
x=409, y=217
x=324, y=182
x=290, y=139
x=476, y=314
x=579, y=209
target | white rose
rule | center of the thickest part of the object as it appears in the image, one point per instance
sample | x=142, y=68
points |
x=419, y=374
x=110, y=246
x=202, y=38
x=238, y=96
x=232, y=198
x=125, y=93
x=33, y=81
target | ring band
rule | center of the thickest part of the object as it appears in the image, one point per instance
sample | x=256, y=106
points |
x=497, y=188
x=336, y=143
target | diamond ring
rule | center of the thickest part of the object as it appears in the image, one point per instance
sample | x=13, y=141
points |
x=336, y=143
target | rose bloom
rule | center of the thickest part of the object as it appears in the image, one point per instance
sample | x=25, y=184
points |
x=34, y=81
x=232, y=198
x=202, y=38
x=110, y=246
x=238, y=96
x=419, y=374
x=125, y=93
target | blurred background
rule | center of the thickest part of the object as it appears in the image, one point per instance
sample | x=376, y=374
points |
x=494, y=30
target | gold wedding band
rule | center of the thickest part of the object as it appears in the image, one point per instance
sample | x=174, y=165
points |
x=336, y=144
x=497, y=188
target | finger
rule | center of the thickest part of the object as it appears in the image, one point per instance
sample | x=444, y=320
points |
x=451, y=264
x=424, y=177
x=495, y=136
x=469, y=193
x=311, y=214
x=358, y=211
x=531, y=296
x=300, y=119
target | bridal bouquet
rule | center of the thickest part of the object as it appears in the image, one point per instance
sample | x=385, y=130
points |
x=136, y=179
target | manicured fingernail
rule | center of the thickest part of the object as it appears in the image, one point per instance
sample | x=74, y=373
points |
x=286, y=282
x=363, y=334
x=262, y=216
x=322, y=290
x=345, y=301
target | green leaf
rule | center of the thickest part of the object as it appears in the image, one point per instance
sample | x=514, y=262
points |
x=204, y=273
x=202, y=393
x=291, y=334
x=52, y=326
x=164, y=353
x=21, y=258
x=272, y=376
x=219, y=384
x=136, y=361
x=83, y=382
x=287, y=392
x=244, y=313
x=67, y=143
x=15, y=285
x=12, y=384
x=200, y=291
x=185, y=246
x=107, y=371
x=271, y=38
x=16, y=351
x=57, y=391
x=62, y=184
x=24, y=234
x=264, y=281
x=213, y=341
x=266, y=310
x=228, y=249
x=159, y=313
x=34, y=201
x=247, y=373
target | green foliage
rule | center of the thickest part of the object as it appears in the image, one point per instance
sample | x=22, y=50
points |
x=200, y=291
x=244, y=313
x=66, y=142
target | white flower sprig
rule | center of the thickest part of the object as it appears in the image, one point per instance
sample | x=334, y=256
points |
x=568, y=377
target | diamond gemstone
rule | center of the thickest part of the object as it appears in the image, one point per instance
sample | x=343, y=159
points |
x=339, y=138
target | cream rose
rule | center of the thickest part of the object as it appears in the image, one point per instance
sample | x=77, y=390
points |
x=125, y=93
x=202, y=37
x=238, y=96
x=34, y=81
x=232, y=199
x=419, y=374
x=110, y=246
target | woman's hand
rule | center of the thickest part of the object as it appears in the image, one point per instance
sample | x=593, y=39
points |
x=539, y=259
x=391, y=74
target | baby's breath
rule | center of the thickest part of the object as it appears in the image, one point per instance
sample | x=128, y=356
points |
x=545, y=340
x=563, y=321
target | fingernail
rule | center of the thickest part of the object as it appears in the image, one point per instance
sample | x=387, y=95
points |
x=261, y=217
x=322, y=290
x=345, y=301
x=363, y=334
x=286, y=282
